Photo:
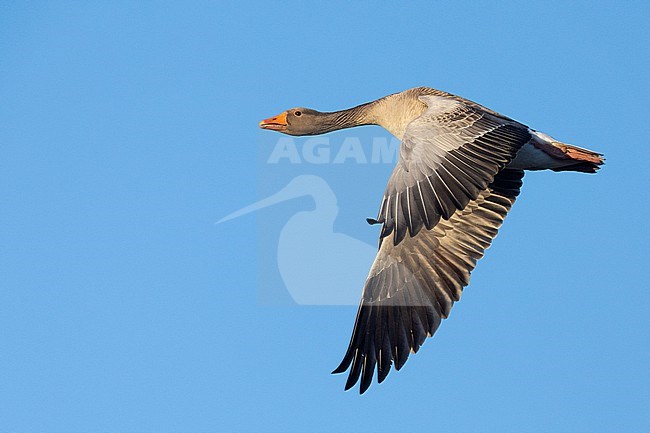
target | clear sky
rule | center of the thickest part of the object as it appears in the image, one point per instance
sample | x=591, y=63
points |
x=128, y=129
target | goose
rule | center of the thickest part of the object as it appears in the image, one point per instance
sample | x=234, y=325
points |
x=459, y=171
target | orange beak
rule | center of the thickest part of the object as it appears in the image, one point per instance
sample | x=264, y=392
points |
x=276, y=123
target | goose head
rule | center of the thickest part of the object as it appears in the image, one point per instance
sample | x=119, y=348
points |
x=300, y=121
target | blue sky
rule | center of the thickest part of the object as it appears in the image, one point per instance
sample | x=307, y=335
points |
x=129, y=129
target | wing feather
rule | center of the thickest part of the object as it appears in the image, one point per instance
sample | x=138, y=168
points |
x=449, y=154
x=412, y=286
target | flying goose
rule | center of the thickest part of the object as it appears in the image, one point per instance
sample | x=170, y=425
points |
x=459, y=172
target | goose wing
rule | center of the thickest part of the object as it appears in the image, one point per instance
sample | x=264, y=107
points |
x=412, y=286
x=448, y=156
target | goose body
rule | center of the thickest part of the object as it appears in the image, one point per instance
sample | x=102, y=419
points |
x=459, y=171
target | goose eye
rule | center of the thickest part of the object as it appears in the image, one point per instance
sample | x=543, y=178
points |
x=298, y=113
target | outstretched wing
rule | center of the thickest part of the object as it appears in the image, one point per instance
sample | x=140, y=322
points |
x=412, y=286
x=448, y=156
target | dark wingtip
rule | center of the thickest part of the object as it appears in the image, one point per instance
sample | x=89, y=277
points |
x=349, y=384
x=345, y=363
x=366, y=379
x=382, y=374
x=343, y=366
x=353, y=378
x=355, y=373
x=368, y=369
